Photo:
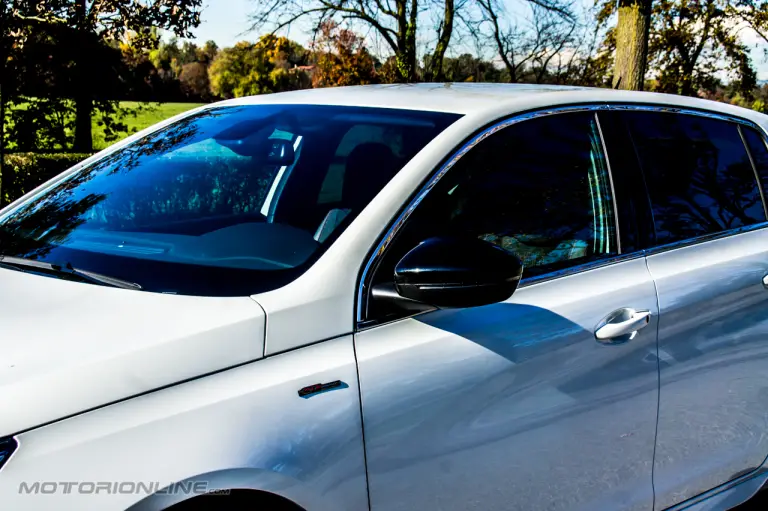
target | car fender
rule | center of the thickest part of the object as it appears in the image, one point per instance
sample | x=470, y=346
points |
x=245, y=427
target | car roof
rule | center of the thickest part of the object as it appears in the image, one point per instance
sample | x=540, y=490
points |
x=483, y=98
x=458, y=98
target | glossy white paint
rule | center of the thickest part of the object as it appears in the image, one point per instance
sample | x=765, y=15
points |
x=245, y=427
x=66, y=347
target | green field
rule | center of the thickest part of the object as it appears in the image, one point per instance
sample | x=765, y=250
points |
x=147, y=115
x=151, y=113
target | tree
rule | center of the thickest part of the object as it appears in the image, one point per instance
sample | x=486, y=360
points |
x=270, y=65
x=631, y=37
x=693, y=44
x=528, y=52
x=434, y=67
x=396, y=22
x=194, y=80
x=95, y=24
x=166, y=57
x=207, y=53
x=468, y=68
x=19, y=20
x=341, y=58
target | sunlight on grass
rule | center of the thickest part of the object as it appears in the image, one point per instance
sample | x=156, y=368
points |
x=155, y=113
x=151, y=113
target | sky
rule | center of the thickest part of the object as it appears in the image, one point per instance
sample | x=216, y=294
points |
x=226, y=22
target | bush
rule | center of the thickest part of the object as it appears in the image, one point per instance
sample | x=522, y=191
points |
x=23, y=172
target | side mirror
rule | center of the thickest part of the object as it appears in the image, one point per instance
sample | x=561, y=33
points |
x=453, y=272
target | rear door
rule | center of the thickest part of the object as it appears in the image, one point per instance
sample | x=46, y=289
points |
x=708, y=258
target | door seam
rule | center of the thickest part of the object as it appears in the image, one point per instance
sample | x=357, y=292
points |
x=658, y=384
x=362, y=422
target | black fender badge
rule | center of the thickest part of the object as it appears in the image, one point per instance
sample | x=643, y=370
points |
x=317, y=388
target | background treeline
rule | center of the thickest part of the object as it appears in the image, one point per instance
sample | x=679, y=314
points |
x=76, y=75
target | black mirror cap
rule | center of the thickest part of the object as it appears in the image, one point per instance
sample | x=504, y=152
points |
x=457, y=272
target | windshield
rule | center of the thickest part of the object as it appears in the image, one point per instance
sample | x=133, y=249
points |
x=229, y=201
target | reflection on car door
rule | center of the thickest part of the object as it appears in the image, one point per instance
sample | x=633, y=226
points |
x=517, y=405
x=713, y=326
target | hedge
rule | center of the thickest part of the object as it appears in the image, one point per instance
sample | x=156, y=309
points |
x=23, y=172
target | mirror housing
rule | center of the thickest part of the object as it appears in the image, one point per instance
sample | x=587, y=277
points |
x=457, y=272
x=280, y=153
x=252, y=139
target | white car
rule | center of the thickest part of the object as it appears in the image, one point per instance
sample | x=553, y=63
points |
x=404, y=297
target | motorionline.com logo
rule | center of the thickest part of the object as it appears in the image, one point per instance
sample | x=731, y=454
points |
x=119, y=488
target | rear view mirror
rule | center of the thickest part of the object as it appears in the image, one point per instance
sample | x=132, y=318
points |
x=272, y=151
x=454, y=272
x=254, y=139
x=280, y=153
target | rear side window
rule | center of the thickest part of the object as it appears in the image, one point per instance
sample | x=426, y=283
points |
x=699, y=176
x=756, y=144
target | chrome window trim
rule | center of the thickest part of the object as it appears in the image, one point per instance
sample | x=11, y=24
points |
x=677, y=110
x=610, y=179
x=394, y=228
x=704, y=238
x=579, y=268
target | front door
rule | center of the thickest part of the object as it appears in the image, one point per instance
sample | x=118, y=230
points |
x=519, y=405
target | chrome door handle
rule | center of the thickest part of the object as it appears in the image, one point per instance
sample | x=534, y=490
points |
x=765, y=281
x=622, y=322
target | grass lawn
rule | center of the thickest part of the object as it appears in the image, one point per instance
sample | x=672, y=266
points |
x=151, y=113
x=148, y=114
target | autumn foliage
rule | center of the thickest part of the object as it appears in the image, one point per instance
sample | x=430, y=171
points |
x=341, y=58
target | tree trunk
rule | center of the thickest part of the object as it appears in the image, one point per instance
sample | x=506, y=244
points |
x=405, y=55
x=435, y=72
x=631, y=44
x=83, y=98
x=83, y=128
x=686, y=83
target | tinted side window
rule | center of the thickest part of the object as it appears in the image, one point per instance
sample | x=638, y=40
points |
x=539, y=189
x=757, y=148
x=698, y=173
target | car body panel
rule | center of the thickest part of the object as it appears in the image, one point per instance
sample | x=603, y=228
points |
x=70, y=346
x=713, y=408
x=504, y=405
x=245, y=427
